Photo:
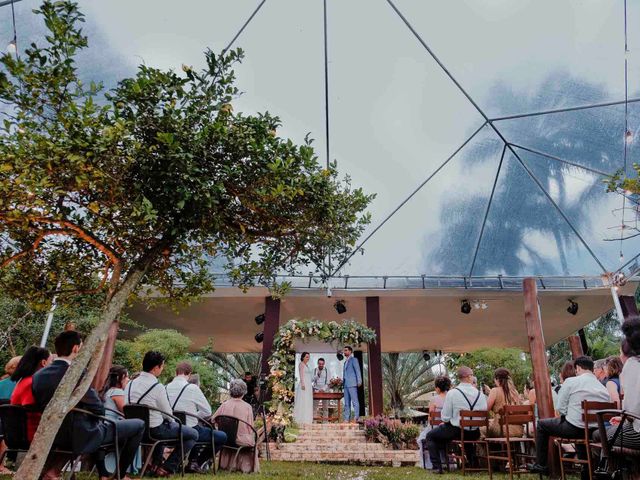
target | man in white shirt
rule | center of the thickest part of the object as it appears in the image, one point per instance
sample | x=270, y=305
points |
x=321, y=384
x=464, y=397
x=187, y=397
x=584, y=386
x=146, y=389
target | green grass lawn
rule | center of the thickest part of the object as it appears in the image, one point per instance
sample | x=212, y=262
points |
x=315, y=471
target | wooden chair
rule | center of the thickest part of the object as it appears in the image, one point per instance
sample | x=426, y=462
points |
x=589, y=416
x=148, y=441
x=435, y=418
x=520, y=415
x=229, y=425
x=475, y=419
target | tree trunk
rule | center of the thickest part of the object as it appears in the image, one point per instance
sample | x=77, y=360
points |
x=74, y=385
x=107, y=356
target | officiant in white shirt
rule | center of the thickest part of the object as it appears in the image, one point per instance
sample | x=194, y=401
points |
x=321, y=384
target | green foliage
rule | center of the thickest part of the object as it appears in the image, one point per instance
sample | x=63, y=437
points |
x=157, y=174
x=485, y=361
x=231, y=365
x=175, y=347
x=21, y=326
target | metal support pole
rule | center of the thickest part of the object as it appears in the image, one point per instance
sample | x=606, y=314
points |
x=616, y=303
x=47, y=326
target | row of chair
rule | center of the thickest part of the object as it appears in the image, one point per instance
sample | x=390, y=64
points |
x=513, y=449
x=14, y=423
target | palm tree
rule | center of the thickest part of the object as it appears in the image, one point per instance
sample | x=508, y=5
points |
x=406, y=377
x=233, y=365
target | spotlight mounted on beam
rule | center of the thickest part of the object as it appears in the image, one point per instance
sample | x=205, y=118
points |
x=426, y=356
x=573, y=308
x=259, y=337
x=465, y=307
x=340, y=307
x=260, y=319
x=339, y=356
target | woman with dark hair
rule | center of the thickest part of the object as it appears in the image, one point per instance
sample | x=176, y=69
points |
x=303, y=406
x=503, y=393
x=112, y=392
x=33, y=360
x=613, y=367
x=442, y=385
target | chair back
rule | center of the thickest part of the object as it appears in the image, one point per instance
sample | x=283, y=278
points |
x=474, y=418
x=181, y=416
x=140, y=412
x=589, y=415
x=435, y=418
x=520, y=415
x=14, y=425
x=228, y=425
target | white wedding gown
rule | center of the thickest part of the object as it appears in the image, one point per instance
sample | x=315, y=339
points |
x=303, y=406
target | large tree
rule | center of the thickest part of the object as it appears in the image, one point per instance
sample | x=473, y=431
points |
x=138, y=190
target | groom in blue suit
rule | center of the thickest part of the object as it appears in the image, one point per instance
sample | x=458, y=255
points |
x=352, y=379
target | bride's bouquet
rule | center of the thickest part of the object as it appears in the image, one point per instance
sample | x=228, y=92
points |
x=335, y=383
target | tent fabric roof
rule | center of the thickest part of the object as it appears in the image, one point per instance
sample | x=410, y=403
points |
x=525, y=99
x=411, y=320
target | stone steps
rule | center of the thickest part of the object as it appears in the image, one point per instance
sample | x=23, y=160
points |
x=340, y=443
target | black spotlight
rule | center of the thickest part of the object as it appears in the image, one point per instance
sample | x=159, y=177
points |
x=465, y=307
x=340, y=307
x=573, y=308
x=259, y=337
x=339, y=356
x=260, y=319
x=426, y=356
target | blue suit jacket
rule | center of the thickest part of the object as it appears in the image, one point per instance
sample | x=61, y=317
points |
x=351, y=372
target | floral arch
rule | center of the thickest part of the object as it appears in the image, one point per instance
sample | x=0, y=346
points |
x=282, y=361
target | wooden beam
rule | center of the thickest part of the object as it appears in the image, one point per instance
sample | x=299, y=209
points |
x=629, y=307
x=375, y=357
x=270, y=328
x=576, y=346
x=537, y=349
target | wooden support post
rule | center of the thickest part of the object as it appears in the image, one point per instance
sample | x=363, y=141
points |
x=628, y=306
x=537, y=349
x=271, y=325
x=576, y=346
x=375, y=357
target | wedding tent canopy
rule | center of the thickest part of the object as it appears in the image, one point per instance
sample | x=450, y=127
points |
x=486, y=138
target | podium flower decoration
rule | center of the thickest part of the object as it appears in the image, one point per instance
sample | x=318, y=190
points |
x=282, y=361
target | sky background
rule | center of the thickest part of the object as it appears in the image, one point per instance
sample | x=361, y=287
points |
x=395, y=117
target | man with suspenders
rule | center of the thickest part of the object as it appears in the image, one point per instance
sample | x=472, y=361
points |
x=464, y=397
x=187, y=397
x=147, y=390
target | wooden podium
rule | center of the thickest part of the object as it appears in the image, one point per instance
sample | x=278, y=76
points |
x=328, y=397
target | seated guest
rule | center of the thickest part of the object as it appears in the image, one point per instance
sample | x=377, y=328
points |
x=246, y=462
x=464, y=397
x=146, y=389
x=187, y=397
x=613, y=368
x=112, y=393
x=34, y=359
x=584, y=386
x=630, y=383
x=503, y=393
x=6, y=383
x=442, y=385
x=599, y=370
x=87, y=433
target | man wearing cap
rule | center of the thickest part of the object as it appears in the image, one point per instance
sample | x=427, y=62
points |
x=464, y=397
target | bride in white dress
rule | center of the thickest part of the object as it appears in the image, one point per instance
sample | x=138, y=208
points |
x=303, y=407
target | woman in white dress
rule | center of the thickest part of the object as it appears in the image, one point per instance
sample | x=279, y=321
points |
x=303, y=407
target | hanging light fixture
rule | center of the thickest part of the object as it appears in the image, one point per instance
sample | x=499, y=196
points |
x=12, y=47
x=628, y=137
